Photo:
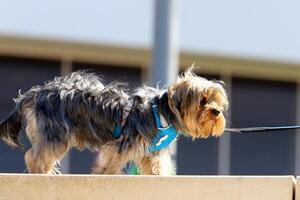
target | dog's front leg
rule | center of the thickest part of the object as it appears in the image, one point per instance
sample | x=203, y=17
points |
x=158, y=163
x=109, y=161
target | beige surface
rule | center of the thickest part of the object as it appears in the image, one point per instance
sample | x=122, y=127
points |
x=81, y=187
x=297, y=190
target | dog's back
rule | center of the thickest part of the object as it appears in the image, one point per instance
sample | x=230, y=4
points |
x=46, y=99
x=66, y=107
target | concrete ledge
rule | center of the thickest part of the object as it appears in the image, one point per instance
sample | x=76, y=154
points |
x=81, y=187
x=297, y=190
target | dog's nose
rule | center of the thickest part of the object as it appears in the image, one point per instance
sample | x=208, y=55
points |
x=215, y=112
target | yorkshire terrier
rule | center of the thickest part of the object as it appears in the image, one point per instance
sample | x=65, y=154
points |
x=124, y=125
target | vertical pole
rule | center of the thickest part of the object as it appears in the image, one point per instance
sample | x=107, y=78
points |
x=66, y=65
x=165, y=49
x=65, y=69
x=297, y=139
x=224, y=152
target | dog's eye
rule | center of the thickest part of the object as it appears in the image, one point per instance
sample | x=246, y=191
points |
x=203, y=101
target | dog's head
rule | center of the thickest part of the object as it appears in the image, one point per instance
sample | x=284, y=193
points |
x=199, y=105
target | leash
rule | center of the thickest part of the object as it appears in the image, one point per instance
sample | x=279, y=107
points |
x=261, y=129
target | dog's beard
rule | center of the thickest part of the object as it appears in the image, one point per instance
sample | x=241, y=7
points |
x=205, y=125
x=212, y=125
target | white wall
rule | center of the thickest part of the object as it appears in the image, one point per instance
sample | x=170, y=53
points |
x=265, y=29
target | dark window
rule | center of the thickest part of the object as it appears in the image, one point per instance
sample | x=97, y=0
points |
x=263, y=103
x=16, y=74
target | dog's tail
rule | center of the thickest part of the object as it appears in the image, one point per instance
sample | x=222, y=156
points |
x=10, y=128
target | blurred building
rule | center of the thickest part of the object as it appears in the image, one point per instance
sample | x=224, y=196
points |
x=256, y=53
x=261, y=94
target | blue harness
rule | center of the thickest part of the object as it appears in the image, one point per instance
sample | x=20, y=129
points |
x=117, y=131
x=164, y=137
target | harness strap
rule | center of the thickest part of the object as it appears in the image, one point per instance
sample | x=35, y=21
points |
x=117, y=131
x=118, y=127
x=156, y=116
x=165, y=136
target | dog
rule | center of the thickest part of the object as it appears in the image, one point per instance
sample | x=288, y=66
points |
x=123, y=124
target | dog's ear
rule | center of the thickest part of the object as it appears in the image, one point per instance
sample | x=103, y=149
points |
x=174, y=101
x=180, y=96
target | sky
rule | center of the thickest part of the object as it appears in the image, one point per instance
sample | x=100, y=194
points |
x=265, y=29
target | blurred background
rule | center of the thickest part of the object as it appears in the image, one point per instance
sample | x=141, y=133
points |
x=253, y=46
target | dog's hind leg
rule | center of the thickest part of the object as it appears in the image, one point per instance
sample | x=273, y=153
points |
x=43, y=158
x=45, y=153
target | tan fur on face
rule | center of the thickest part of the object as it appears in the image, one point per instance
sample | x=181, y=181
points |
x=193, y=99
